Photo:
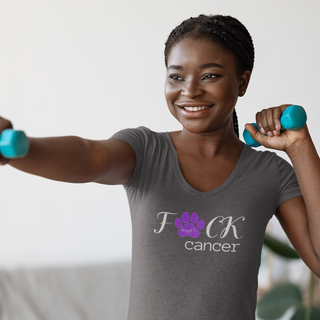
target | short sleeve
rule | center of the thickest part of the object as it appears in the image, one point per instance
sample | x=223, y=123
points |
x=136, y=138
x=288, y=183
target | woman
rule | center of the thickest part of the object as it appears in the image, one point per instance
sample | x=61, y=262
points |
x=200, y=199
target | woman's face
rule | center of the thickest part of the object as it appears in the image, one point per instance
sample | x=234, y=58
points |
x=202, y=85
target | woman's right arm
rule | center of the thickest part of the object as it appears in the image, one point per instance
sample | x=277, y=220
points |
x=78, y=160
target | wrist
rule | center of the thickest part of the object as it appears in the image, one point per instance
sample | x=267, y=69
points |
x=300, y=149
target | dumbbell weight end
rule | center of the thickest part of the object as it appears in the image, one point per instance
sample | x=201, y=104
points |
x=13, y=144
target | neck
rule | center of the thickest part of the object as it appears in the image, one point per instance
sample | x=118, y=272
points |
x=220, y=142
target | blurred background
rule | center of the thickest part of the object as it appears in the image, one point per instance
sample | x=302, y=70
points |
x=91, y=68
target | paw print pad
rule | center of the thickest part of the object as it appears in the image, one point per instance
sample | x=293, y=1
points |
x=189, y=227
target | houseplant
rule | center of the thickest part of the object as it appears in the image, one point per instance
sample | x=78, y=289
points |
x=281, y=297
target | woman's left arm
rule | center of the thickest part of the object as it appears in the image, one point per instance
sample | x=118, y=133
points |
x=299, y=216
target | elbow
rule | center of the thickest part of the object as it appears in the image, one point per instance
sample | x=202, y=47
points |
x=317, y=272
x=315, y=267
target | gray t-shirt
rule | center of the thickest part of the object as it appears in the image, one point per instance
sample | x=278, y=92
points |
x=196, y=255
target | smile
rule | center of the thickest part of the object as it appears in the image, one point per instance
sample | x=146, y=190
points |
x=194, y=109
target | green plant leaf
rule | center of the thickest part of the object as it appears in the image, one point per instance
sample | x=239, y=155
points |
x=280, y=248
x=300, y=314
x=278, y=300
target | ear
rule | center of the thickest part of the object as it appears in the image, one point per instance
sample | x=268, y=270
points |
x=244, y=82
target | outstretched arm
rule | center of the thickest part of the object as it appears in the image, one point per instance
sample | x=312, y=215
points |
x=73, y=159
x=300, y=216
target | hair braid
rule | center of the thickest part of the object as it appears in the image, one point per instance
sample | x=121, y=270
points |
x=235, y=123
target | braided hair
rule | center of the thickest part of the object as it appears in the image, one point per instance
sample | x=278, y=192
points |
x=227, y=31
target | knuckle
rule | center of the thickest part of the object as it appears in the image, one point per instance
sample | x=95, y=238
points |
x=266, y=128
x=5, y=124
x=3, y=161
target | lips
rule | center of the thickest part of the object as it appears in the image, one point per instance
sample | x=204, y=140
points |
x=194, y=111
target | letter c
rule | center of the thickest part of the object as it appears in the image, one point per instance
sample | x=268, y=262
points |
x=213, y=245
x=186, y=245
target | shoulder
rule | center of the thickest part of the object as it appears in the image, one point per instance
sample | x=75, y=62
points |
x=132, y=132
x=264, y=156
x=142, y=132
x=142, y=138
x=268, y=163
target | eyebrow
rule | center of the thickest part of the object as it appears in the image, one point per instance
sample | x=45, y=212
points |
x=202, y=66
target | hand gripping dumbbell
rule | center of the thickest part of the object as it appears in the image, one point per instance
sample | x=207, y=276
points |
x=293, y=118
x=13, y=144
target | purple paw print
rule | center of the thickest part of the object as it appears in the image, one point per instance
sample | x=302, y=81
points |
x=189, y=229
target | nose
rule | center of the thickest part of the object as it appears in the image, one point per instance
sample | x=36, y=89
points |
x=191, y=89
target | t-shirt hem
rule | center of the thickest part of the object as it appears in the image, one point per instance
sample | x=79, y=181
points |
x=288, y=196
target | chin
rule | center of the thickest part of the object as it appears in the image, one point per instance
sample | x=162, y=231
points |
x=195, y=129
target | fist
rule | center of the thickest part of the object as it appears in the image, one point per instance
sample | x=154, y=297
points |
x=268, y=122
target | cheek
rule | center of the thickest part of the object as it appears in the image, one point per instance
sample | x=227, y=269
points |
x=171, y=96
x=228, y=90
x=170, y=93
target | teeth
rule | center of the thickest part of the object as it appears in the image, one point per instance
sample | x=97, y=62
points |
x=195, y=108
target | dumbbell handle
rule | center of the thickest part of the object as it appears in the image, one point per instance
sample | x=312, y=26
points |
x=13, y=144
x=293, y=118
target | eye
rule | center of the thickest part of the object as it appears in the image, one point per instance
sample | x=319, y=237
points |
x=210, y=76
x=175, y=77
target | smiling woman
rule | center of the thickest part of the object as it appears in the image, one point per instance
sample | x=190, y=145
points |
x=224, y=36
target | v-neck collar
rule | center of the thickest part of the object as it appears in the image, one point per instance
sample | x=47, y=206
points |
x=240, y=164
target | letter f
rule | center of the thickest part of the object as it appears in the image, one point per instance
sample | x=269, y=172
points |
x=164, y=220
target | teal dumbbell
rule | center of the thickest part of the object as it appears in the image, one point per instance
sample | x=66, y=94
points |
x=13, y=144
x=293, y=118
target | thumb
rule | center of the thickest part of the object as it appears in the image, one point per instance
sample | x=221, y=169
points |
x=255, y=133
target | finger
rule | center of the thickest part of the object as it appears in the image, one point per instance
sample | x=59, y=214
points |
x=255, y=134
x=276, y=120
x=277, y=112
x=264, y=120
x=258, y=122
x=3, y=161
x=263, y=123
x=270, y=117
x=5, y=124
x=270, y=121
x=284, y=107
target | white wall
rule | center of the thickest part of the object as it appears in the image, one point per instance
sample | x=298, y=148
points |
x=91, y=68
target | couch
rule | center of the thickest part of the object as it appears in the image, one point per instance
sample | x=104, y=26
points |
x=87, y=292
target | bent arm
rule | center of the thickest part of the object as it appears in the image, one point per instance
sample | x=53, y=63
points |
x=294, y=220
x=73, y=159
x=300, y=217
x=306, y=163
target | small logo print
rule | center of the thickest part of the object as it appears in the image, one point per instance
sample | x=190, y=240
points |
x=189, y=227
